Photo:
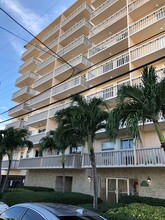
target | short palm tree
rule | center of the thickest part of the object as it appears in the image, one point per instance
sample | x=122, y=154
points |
x=2, y=151
x=85, y=118
x=138, y=103
x=12, y=140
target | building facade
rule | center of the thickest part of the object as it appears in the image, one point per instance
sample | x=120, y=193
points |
x=107, y=43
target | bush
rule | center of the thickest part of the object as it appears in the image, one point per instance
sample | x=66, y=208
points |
x=72, y=198
x=144, y=200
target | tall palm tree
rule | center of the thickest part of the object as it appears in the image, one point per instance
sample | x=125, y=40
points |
x=14, y=139
x=86, y=118
x=138, y=103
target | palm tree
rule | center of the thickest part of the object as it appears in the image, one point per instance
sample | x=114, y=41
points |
x=85, y=118
x=138, y=103
x=14, y=139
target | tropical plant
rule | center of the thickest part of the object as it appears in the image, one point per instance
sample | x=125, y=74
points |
x=12, y=140
x=2, y=151
x=138, y=103
x=85, y=118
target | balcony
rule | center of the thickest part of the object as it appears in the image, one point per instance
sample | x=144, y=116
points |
x=37, y=119
x=84, y=11
x=26, y=79
x=151, y=50
x=79, y=63
x=109, y=93
x=36, y=137
x=72, y=161
x=107, y=8
x=138, y=8
x=82, y=27
x=108, y=70
x=54, y=109
x=44, y=54
x=97, y=3
x=71, y=86
x=33, y=51
x=148, y=25
x=14, y=164
x=23, y=94
x=79, y=45
x=19, y=110
x=30, y=65
x=53, y=34
x=19, y=124
x=111, y=25
x=44, y=82
x=111, y=45
x=40, y=99
x=142, y=157
x=47, y=65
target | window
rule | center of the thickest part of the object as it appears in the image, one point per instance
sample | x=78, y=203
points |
x=76, y=150
x=21, y=156
x=126, y=144
x=107, y=146
x=13, y=213
x=31, y=215
x=41, y=130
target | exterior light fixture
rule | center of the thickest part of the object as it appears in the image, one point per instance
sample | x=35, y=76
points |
x=148, y=179
x=89, y=178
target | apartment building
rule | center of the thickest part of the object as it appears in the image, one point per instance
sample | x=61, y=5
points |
x=104, y=41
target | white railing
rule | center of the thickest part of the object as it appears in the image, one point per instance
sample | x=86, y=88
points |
x=17, y=124
x=74, y=62
x=18, y=108
x=147, y=20
x=37, y=117
x=148, y=48
x=74, y=44
x=43, y=79
x=75, y=13
x=26, y=76
x=109, y=21
x=136, y=4
x=51, y=32
x=140, y=157
x=40, y=97
x=75, y=28
x=30, y=50
x=103, y=7
x=108, y=66
x=50, y=45
x=24, y=90
x=71, y=161
x=57, y=108
x=37, y=137
x=13, y=166
x=28, y=62
x=46, y=62
x=114, y=39
x=73, y=82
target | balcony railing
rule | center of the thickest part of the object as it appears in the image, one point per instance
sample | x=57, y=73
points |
x=20, y=107
x=37, y=117
x=136, y=4
x=37, y=137
x=74, y=44
x=40, y=97
x=151, y=156
x=50, y=33
x=57, y=108
x=148, y=48
x=26, y=76
x=14, y=164
x=50, y=45
x=147, y=20
x=46, y=62
x=30, y=50
x=108, y=66
x=76, y=27
x=75, y=13
x=29, y=62
x=71, y=161
x=43, y=79
x=102, y=7
x=72, y=83
x=17, y=124
x=109, y=21
x=116, y=38
x=24, y=90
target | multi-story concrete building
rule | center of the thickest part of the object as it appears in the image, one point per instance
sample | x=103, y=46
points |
x=103, y=41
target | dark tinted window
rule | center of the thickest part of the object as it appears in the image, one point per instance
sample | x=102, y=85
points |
x=13, y=213
x=32, y=215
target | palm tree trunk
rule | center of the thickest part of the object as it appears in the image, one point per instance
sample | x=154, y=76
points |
x=1, y=156
x=94, y=172
x=160, y=134
x=63, y=172
x=6, y=178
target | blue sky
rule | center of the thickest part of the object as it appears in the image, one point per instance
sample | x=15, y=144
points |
x=34, y=15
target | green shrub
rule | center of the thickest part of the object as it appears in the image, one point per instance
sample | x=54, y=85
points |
x=12, y=198
x=145, y=200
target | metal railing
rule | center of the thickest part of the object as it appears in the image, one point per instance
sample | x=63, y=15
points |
x=35, y=138
x=37, y=117
x=28, y=62
x=40, y=97
x=136, y=4
x=19, y=107
x=24, y=90
x=57, y=108
x=43, y=79
x=51, y=32
x=26, y=76
x=50, y=45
